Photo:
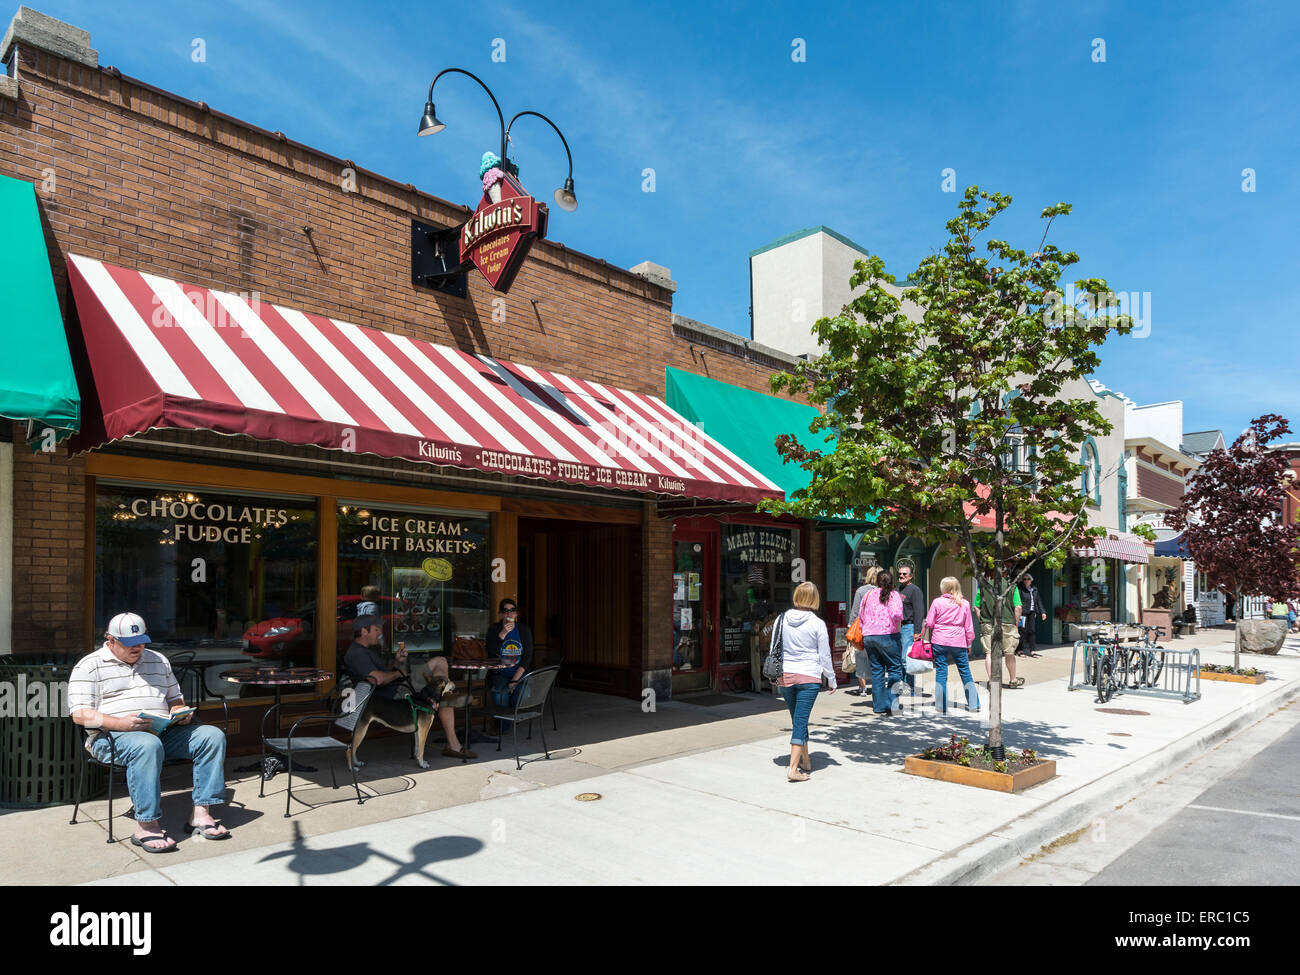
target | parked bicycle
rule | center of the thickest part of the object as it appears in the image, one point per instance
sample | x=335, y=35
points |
x=1108, y=668
x=1146, y=661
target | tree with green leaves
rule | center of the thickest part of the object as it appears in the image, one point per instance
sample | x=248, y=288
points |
x=957, y=406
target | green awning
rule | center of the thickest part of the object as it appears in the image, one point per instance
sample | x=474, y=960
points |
x=36, y=381
x=745, y=422
x=748, y=423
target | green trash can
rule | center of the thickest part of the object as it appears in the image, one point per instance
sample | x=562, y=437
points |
x=38, y=742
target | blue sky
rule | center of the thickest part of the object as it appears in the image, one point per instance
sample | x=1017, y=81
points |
x=748, y=144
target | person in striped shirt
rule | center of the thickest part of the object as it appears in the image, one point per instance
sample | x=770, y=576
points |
x=108, y=689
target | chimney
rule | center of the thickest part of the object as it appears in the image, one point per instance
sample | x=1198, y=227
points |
x=655, y=274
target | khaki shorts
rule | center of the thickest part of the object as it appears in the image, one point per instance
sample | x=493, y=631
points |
x=1010, y=638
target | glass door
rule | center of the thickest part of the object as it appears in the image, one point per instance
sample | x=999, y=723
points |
x=694, y=628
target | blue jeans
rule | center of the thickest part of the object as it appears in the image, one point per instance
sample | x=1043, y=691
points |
x=498, y=681
x=142, y=752
x=961, y=657
x=799, y=699
x=905, y=635
x=886, y=660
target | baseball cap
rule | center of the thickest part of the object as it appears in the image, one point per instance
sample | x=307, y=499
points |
x=128, y=629
x=368, y=619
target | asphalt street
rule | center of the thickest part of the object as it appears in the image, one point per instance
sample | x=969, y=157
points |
x=1244, y=830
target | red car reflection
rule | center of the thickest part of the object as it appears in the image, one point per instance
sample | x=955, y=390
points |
x=291, y=640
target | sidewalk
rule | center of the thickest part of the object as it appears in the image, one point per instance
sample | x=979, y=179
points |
x=690, y=794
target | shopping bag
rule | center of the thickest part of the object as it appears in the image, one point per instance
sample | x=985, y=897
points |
x=917, y=665
x=854, y=637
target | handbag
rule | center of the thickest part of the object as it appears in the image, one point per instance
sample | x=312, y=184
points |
x=467, y=648
x=920, y=650
x=774, y=664
x=849, y=661
x=854, y=637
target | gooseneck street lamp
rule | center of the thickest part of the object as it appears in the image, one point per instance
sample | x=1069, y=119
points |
x=565, y=198
x=429, y=124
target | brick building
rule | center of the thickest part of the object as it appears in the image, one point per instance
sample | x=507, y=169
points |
x=138, y=183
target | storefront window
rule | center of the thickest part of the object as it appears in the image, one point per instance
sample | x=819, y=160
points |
x=869, y=552
x=222, y=580
x=1092, y=588
x=427, y=572
x=757, y=565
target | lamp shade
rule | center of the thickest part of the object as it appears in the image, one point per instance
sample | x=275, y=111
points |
x=565, y=198
x=429, y=123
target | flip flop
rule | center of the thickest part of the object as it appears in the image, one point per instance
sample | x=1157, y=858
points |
x=140, y=841
x=1018, y=682
x=206, y=831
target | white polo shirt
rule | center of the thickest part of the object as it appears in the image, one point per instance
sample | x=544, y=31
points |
x=110, y=686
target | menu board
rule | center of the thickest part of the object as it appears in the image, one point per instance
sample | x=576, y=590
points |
x=734, y=644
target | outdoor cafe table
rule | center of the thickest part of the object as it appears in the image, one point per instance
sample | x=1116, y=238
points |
x=277, y=678
x=469, y=669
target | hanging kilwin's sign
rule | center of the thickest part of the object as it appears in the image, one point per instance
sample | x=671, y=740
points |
x=496, y=239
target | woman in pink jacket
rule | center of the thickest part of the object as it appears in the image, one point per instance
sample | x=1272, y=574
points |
x=950, y=623
x=880, y=616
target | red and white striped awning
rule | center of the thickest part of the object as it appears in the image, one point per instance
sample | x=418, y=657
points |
x=1119, y=545
x=171, y=355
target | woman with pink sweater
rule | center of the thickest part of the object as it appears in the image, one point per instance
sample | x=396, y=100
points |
x=881, y=616
x=950, y=623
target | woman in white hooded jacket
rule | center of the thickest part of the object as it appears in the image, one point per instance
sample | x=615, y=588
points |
x=805, y=659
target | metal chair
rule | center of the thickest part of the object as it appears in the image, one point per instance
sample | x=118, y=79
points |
x=362, y=703
x=294, y=744
x=559, y=662
x=86, y=758
x=533, y=689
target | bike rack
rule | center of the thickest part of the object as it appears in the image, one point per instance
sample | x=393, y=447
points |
x=1180, y=677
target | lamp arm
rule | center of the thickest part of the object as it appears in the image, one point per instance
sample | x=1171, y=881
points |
x=552, y=125
x=501, y=119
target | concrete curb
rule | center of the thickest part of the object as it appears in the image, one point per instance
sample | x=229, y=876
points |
x=1075, y=810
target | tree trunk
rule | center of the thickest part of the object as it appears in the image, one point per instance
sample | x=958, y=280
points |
x=995, y=670
x=1236, y=632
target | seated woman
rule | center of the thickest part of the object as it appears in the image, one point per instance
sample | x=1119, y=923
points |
x=512, y=641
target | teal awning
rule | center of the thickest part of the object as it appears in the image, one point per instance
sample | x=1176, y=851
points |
x=745, y=422
x=36, y=380
x=748, y=423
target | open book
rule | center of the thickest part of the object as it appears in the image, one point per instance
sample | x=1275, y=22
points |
x=161, y=722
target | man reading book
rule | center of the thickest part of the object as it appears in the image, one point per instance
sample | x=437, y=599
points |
x=108, y=691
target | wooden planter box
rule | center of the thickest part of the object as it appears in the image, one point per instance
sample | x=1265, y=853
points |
x=1234, y=678
x=980, y=778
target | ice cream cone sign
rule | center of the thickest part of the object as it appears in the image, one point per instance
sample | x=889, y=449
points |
x=496, y=238
x=492, y=173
